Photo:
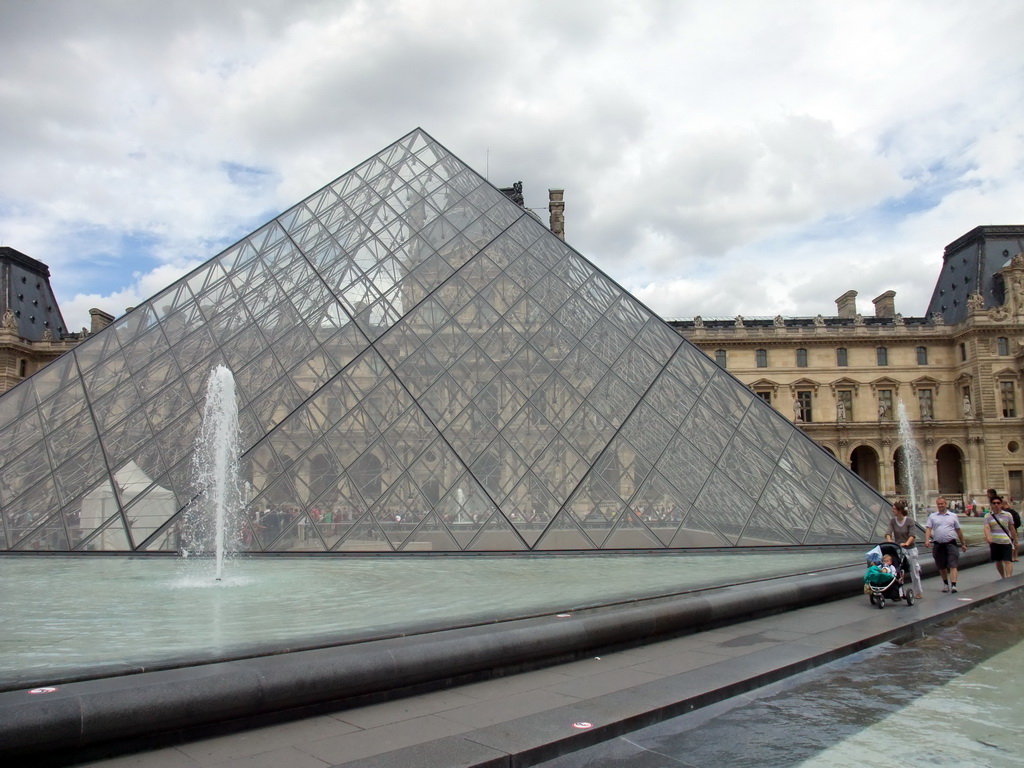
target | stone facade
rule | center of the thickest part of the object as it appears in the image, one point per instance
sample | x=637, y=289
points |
x=843, y=378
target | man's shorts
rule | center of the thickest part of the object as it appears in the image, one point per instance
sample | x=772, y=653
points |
x=946, y=555
x=1003, y=552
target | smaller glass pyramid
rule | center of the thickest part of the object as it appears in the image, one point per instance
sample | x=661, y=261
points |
x=421, y=366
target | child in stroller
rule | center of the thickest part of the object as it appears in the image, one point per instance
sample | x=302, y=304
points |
x=884, y=578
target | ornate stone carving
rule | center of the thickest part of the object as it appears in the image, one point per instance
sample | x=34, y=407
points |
x=975, y=302
x=739, y=321
x=48, y=335
x=897, y=319
x=9, y=322
x=938, y=319
x=968, y=408
x=858, y=319
x=819, y=321
x=779, y=322
x=999, y=314
x=841, y=411
x=698, y=322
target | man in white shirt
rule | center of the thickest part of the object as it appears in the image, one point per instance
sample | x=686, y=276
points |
x=943, y=530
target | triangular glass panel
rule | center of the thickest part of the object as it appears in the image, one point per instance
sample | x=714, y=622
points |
x=697, y=532
x=765, y=528
x=430, y=535
x=110, y=538
x=564, y=534
x=47, y=536
x=464, y=509
x=497, y=535
x=632, y=533
x=364, y=536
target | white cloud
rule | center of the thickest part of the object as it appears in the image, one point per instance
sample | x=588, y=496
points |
x=754, y=161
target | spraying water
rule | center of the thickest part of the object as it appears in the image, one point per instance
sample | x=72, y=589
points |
x=911, y=455
x=212, y=519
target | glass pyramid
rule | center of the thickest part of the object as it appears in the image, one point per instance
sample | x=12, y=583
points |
x=421, y=366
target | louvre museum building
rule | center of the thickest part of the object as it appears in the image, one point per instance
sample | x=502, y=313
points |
x=422, y=365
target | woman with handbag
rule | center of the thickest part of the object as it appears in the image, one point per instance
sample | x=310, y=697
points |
x=1001, y=537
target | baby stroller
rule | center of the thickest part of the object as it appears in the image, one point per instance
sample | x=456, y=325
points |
x=882, y=586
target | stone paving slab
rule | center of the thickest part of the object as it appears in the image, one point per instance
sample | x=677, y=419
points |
x=524, y=719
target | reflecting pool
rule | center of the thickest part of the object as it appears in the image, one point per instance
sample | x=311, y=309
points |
x=950, y=698
x=66, y=613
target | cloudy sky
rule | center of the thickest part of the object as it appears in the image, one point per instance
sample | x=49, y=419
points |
x=718, y=158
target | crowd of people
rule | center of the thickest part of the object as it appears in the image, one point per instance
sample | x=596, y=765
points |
x=944, y=536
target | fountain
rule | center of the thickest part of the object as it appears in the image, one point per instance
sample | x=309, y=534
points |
x=211, y=522
x=911, y=456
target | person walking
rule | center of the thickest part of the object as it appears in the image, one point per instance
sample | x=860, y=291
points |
x=941, y=533
x=1001, y=536
x=902, y=531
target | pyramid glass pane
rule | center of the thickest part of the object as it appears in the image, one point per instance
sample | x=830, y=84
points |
x=420, y=366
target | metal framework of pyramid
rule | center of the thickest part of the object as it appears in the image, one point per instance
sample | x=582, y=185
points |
x=421, y=366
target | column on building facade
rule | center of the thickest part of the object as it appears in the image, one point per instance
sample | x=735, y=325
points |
x=886, y=472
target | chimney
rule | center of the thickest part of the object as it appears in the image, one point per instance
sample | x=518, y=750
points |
x=847, y=304
x=885, y=306
x=100, y=320
x=557, y=210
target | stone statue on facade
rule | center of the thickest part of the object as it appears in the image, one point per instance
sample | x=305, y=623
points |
x=739, y=321
x=47, y=334
x=897, y=319
x=819, y=321
x=968, y=409
x=926, y=410
x=779, y=322
x=9, y=322
x=797, y=410
x=938, y=319
x=841, y=410
x=858, y=319
x=975, y=302
x=698, y=322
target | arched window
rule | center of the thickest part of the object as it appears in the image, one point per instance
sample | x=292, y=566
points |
x=761, y=356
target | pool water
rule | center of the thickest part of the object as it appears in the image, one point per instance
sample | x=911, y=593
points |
x=67, y=613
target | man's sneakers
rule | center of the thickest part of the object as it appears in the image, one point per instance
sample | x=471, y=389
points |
x=945, y=587
x=953, y=589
